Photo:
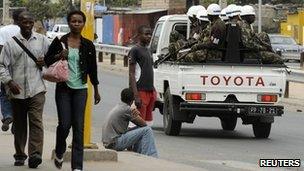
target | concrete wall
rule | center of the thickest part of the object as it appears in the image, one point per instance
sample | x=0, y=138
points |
x=269, y=25
x=177, y=6
x=173, y=6
x=155, y=4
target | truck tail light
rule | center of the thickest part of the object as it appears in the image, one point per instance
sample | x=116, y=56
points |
x=195, y=96
x=267, y=98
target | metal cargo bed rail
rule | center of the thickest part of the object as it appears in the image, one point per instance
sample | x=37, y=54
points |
x=295, y=75
x=292, y=75
x=115, y=51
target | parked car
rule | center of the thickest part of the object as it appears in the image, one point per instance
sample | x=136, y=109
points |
x=287, y=46
x=58, y=31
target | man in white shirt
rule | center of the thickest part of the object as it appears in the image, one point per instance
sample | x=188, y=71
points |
x=6, y=33
x=26, y=89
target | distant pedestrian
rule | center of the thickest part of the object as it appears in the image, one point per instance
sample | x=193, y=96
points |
x=26, y=88
x=115, y=133
x=6, y=33
x=71, y=96
x=141, y=75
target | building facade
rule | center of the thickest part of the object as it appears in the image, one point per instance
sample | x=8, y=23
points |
x=173, y=6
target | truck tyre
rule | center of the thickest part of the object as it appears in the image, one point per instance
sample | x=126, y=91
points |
x=261, y=130
x=228, y=124
x=171, y=106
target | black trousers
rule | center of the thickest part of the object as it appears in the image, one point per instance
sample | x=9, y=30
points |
x=70, y=108
x=30, y=109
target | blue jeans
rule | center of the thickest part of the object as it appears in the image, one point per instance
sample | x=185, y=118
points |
x=70, y=108
x=6, y=107
x=141, y=139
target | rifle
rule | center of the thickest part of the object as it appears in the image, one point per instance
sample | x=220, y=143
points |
x=186, y=51
x=168, y=55
x=161, y=60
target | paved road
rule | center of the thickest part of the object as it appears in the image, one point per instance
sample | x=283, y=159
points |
x=204, y=144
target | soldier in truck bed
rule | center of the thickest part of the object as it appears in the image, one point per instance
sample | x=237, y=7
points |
x=196, y=25
x=178, y=41
x=258, y=42
x=212, y=38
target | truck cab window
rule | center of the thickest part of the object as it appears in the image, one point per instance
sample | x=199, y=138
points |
x=155, y=37
x=64, y=29
x=181, y=28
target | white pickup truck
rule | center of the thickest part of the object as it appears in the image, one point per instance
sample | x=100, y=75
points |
x=58, y=31
x=226, y=90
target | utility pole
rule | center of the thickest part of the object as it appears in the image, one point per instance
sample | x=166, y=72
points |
x=260, y=17
x=5, y=10
x=71, y=4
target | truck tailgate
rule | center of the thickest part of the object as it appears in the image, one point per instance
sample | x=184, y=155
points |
x=245, y=82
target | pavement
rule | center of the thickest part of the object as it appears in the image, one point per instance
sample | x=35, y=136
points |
x=127, y=161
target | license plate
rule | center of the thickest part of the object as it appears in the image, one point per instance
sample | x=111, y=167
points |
x=262, y=110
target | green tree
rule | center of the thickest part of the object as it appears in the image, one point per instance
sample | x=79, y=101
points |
x=38, y=8
x=16, y=3
x=59, y=9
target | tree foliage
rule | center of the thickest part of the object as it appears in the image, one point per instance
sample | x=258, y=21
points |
x=39, y=8
x=42, y=9
x=59, y=9
x=16, y=3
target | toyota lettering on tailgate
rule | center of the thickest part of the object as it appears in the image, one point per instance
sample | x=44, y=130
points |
x=233, y=80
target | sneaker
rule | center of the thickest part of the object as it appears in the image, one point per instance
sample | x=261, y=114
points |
x=5, y=125
x=58, y=162
x=34, y=161
x=77, y=170
x=19, y=163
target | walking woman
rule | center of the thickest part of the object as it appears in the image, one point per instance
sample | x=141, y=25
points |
x=71, y=95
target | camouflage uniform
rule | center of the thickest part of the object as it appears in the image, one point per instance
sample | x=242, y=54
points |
x=213, y=37
x=250, y=41
x=265, y=38
x=268, y=56
x=194, y=29
x=254, y=42
x=177, y=41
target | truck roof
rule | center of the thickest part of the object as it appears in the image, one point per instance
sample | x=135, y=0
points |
x=176, y=17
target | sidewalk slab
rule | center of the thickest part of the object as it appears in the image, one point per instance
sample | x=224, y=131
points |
x=127, y=161
x=100, y=154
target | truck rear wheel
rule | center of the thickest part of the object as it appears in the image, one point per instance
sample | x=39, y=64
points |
x=228, y=124
x=171, y=106
x=261, y=130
